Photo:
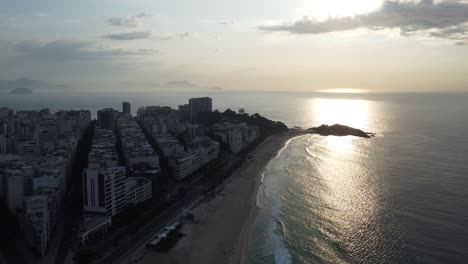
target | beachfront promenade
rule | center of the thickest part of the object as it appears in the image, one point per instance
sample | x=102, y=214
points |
x=223, y=221
x=135, y=249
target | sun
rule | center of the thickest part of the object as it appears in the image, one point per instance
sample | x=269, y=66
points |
x=323, y=9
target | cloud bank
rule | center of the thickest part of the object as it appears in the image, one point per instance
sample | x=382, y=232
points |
x=447, y=19
x=72, y=51
x=129, y=35
x=23, y=82
x=129, y=21
x=171, y=85
x=135, y=35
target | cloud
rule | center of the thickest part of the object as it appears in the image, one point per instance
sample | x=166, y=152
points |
x=447, y=19
x=124, y=21
x=230, y=22
x=184, y=35
x=136, y=35
x=148, y=84
x=30, y=84
x=162, y=37
x=186, y=85
x=128, y=21
x=181, y=85
x=72, y=51
x=129, y=35
x=41, y=14
x=143, y=14
x=171, y=85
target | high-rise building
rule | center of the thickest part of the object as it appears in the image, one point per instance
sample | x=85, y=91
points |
x=14, y=185
x=184, y=112
x=3, y=143
x=36, y=222
x=235, y=140
x=106, y=118
x=126, y=108
x=198, y=105
x=237, y=136
x=104, y=190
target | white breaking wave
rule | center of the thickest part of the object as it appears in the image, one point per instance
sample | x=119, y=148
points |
x=280, y=251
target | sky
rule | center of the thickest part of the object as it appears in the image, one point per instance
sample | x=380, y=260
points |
x=288, y=45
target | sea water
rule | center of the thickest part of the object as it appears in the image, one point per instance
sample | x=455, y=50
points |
x=401, y=197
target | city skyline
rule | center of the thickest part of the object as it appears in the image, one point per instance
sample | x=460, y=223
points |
x=340, y=46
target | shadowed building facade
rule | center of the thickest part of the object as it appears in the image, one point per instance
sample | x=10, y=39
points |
x=198, y=105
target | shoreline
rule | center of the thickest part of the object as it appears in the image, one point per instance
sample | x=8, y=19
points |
x=249, y=223
x=225, y=221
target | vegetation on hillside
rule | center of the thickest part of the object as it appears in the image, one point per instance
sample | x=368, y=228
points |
x=267, y=127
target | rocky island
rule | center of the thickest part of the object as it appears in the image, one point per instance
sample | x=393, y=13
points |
x=339, y=130
x=21, y=91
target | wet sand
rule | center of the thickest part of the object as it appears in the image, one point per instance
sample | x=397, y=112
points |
x=221, y=233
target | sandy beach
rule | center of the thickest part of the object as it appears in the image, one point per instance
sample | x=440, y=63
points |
x=223, y=222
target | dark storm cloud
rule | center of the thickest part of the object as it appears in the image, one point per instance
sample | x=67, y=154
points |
x=72, y=51
x=445, y=19
x=129, y=21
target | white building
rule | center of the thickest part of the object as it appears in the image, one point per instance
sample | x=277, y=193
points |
x=207, y=148
x=235, y=140
x=238, y=136
x=184, y=164
x=139, y=189
x=104, y=190
x=36, y=222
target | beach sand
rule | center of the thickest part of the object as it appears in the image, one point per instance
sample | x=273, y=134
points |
x=224, y=221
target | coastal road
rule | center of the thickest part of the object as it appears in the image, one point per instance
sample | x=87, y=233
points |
x=133, y=248
x=125, y=252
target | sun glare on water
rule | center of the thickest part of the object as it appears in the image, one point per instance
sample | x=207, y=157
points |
x=354, y=113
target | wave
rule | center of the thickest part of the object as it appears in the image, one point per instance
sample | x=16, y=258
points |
x=277, y=233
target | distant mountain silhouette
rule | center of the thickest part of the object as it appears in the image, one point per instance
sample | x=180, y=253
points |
x=36, y=85
x=21, y=91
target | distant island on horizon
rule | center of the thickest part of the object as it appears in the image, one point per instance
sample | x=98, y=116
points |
x=21, y=91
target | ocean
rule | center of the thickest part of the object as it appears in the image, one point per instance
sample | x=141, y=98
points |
x=401, y=197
